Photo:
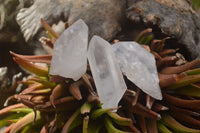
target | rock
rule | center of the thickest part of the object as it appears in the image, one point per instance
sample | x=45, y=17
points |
x=2, y=129
x=106, y=72
x=11, y=39
x=8, y=88
x=139, y=66
x=4, y=80
x=8, y=10
x=70, y=52
x=175, y=18
x=102, y=17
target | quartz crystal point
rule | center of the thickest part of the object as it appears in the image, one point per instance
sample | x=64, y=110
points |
x=106, y=72
x=139, y=66
x=70, y=52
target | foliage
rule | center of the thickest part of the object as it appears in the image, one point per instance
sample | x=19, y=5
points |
x=196, y=4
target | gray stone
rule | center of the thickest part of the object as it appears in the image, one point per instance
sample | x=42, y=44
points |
x=174, y=18
x=4, y=80
x=102, y=17
x=2, y=129
x=106, y=72
x=8, y=88
x=139, y=66
x=70, y=52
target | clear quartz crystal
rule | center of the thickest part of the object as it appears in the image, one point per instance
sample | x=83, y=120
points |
x=70, y=52
x=139, y=66
x=106, y=72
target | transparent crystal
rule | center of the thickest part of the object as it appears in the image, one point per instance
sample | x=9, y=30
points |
x=106, y=72
x=139, y=66
x=70, y=52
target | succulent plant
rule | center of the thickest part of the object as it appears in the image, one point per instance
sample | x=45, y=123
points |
x=56, y=104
